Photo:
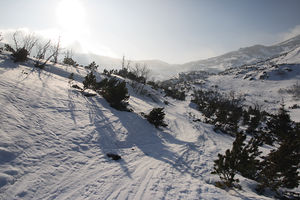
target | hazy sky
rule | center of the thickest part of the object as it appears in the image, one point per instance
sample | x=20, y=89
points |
x=175, y=31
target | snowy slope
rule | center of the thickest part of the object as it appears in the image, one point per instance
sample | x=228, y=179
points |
x=264, y=83
x=54, y=140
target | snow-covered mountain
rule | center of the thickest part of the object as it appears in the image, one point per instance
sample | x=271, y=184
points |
x=162, y=70
x=248, y=55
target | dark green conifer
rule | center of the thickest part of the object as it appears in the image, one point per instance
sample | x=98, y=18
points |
x=89, y=81
x=156, y=117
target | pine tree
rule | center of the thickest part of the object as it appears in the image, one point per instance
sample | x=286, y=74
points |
x=116, y=93
x=226, y=166
x=69, y=61
x=248, y=162
x=92, y=66
x=156, y=117
x=89, y=81
x=20, y=55
x=280, y=125
x=280, y=167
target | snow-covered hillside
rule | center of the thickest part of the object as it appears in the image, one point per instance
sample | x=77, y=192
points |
x=248, y=55
x=264, y=83
x=54, y=142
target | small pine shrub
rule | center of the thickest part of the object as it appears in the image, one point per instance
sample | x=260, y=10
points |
x=224, y=111
x=69, y=61
x=280, y=125
x=90, y=81
x=226, y=166
x=93, y=66
x=156, y=117
x=249, y=164
x=20, y=55
x=115, y=93
x=175, y=93
x=280, y=168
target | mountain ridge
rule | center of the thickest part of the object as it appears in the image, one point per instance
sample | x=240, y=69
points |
x=164, y=70
x=246, y=55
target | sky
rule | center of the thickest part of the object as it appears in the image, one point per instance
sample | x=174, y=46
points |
x=175, y=31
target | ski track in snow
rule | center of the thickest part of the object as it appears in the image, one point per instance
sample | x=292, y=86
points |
x=58, y=139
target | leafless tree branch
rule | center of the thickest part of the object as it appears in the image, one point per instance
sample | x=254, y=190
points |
x=15, y=39
x=56, y=50
x=29, y=41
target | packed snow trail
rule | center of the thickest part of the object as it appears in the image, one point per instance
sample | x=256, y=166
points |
x=54, y=141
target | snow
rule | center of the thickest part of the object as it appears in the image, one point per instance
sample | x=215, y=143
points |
x=54, y=142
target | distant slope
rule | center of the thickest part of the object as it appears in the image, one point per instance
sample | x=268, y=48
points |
x=159, y=69
x=248, y=55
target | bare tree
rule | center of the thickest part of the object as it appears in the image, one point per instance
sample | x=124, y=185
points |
x=68, y=60
x=15, y=39
x=142, y=73
x=27, y=42
x=69, y=54
x=145, y=72
x=125, y=65
x=42, y=51
x=57, y=50
x=128, y=65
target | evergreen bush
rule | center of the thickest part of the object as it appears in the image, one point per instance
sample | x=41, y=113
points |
x=69, y=61
x=115, y=93
x=90, y=81
x=20, y=55
x=280, y=168
x=226, y=166
x=280, y=125
x=93, y=66
x=156, y=117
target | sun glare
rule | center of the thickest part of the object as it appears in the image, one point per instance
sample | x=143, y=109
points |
x=70, y=13
x=74, y=30
x=71, y=17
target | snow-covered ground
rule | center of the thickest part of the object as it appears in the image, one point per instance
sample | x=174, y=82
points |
x=54, y=142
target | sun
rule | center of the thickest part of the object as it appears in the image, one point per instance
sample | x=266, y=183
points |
x=71, y=15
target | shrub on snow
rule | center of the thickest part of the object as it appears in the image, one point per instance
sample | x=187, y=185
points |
x=156, y=117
